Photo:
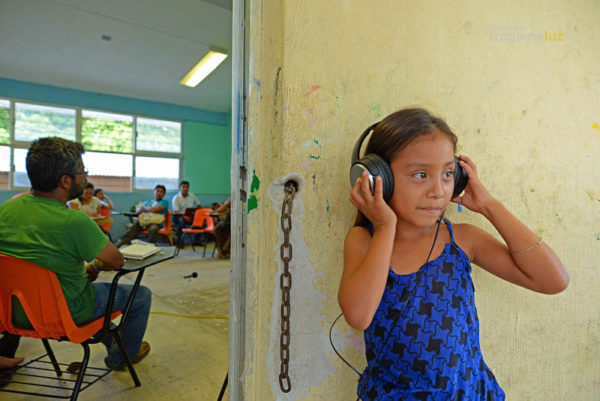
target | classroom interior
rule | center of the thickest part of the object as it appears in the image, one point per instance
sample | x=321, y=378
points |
x=125, y=61
x=518, y=83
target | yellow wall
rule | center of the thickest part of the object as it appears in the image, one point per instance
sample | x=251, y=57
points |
x=527, y=111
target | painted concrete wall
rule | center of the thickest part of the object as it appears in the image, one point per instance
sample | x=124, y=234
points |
x=518, y=84
x=207, y=157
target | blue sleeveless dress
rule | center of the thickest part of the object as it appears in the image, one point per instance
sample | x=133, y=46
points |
x=432, y=352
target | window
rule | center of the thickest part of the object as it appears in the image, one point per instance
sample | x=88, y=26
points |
x=109, y=171
x=107, y=132
x=123, y=152
x=20, y=178
x=4, y=166
x=158, y=136
x=4, y=121
x=34, y=121
x=150, y=171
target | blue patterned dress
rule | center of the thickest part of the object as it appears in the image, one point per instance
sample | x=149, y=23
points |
x=433, y=352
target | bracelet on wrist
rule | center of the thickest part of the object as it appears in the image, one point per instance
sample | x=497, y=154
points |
x=95, y=266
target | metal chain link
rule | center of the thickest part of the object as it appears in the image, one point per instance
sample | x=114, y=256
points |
x=285, y=282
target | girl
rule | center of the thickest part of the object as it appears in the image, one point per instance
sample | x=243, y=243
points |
x=104, y=200
x=87, y=202
x=421, y=325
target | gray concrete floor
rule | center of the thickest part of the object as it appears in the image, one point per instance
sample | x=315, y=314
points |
x=188, y=357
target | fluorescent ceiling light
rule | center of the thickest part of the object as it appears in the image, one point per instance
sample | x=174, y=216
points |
x=207, y=65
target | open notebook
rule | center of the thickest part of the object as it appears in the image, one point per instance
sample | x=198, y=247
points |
x=137, y=251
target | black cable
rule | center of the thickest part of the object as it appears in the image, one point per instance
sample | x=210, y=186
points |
x=401, y=310
x=335, y=350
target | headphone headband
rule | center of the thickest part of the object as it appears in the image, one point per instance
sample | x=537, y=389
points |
x=358, y=145
x=376, y=166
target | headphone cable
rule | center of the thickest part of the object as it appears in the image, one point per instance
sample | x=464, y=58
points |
x=335, y=350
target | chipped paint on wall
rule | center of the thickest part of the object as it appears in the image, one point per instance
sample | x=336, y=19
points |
x=305, y=165
x=254, y=187
x=596, y=127
x=591, y=194
x=374, y=111
x=313, y=89
x=355, y=341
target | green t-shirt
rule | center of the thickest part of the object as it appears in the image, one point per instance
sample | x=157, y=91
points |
x=45, y=232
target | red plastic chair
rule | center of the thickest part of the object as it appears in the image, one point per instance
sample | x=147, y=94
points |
x=41, y=296
x=105, y=212
x=202, y=224
x=166, y=228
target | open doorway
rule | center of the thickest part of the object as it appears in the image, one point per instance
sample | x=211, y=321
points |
x=106, y=74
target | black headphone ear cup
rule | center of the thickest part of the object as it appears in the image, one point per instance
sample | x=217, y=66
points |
x=460, y=178
x=379, y=167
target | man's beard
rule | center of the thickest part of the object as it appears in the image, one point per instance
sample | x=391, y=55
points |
x=76, y=191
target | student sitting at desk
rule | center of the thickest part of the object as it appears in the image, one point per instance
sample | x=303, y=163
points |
x=157, y=205
x=182, y=201
x=87, y=202
x=40, y=229
x=104, y=200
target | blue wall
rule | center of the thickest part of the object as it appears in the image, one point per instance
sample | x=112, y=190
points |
x=71, y=97
x=204, y=132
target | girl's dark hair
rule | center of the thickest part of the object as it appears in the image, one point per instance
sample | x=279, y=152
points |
x=97, y=190
x=396, y=131
x=88, y=185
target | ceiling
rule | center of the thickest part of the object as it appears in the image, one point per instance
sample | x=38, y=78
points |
x=134, y=48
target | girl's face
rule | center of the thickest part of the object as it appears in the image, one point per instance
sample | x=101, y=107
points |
x=87, y=195
x=100, y=195
x=423, y=180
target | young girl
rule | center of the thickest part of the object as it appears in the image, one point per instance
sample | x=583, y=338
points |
x=420, y=321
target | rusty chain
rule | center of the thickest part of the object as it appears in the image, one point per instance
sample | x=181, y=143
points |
x=285, y=282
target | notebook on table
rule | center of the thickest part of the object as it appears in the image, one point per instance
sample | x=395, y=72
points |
x=138, y=252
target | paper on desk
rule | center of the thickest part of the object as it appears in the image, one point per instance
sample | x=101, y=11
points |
x=139, y=251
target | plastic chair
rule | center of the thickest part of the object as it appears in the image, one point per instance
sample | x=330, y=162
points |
x=105, y=212
x=202, y=224
x=166, y=228
x=41, y=296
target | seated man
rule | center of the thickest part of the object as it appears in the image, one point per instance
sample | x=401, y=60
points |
x=182, y=201
x=157, y=205
x=40, y=229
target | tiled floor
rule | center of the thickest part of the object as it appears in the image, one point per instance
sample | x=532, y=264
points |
x=188, y=360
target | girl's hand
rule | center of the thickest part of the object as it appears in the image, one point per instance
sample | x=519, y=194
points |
x=370, y=204
x=476, y=197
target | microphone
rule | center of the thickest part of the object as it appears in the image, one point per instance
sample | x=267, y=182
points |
x=193, y=275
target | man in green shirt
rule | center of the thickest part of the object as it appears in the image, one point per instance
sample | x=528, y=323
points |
x=39, y=228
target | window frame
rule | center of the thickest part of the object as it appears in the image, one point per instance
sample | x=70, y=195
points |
x=15, y=144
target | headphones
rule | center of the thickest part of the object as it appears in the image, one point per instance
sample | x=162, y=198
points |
x=376, y=166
